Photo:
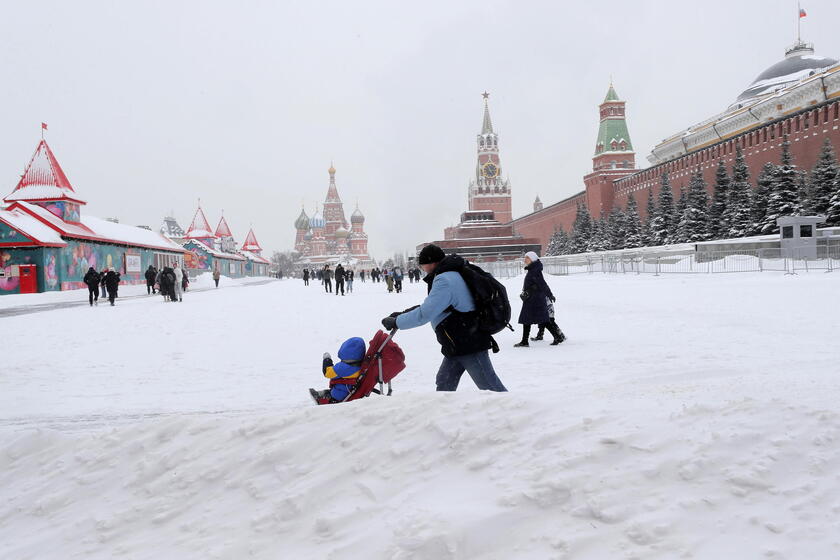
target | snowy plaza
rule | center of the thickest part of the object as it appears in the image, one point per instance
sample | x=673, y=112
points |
x=684, y=417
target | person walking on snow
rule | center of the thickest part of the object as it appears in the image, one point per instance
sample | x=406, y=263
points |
x=327, y=276
x=179, y=277
x=92, y=280
x=112, y=282
x=305, y=276
x=151, y=273
x=339, y=279
x=447, y=307
x=350, y=275
x=536, y=297
x=216, y=276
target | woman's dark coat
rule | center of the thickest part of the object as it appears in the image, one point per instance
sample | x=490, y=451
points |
x=535, y=290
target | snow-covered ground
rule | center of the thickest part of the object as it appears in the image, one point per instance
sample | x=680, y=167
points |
x=684, y=417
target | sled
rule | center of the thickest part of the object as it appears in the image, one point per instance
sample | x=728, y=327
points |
x=383, y=360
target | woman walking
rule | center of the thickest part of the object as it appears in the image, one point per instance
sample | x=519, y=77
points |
x=536, y=295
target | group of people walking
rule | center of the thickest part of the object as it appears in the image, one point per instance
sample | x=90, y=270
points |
x=344, y=277
x=171, y=282
x=105, y=283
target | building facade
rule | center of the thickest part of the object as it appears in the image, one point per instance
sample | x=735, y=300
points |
x=327, y=237
x=485, y=231
x=797, y=97
x=48, y=244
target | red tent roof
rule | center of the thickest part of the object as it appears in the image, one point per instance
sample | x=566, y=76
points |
x=43, y=179
x=251, y=242
x=199, y=228
x=222, y=230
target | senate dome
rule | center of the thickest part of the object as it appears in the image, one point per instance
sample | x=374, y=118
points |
x=799, y=62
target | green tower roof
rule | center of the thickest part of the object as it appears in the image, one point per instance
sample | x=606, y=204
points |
x=613, y=128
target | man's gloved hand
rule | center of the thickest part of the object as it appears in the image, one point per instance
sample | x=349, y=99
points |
x=327, y=356
x=390, y=323
x=396, y=314
x=523, y=296
x=553, y=299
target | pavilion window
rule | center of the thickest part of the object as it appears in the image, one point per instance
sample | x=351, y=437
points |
x=836, y=111
x=816, y=117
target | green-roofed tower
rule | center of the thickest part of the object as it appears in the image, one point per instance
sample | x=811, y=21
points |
x=613, y=148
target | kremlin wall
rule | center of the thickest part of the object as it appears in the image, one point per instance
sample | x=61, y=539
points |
x=798, y=96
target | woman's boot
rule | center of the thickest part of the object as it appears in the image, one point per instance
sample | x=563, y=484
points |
x=526, y=330
x=556, y=333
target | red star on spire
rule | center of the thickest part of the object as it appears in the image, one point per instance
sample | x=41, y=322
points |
x=485, y=95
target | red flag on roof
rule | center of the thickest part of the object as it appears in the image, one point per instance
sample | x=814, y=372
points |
x=802, y=13
x=43, y=126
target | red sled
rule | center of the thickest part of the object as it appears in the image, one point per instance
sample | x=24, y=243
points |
x=383, y=360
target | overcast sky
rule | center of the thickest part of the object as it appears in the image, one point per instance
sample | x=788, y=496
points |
x=152, y=105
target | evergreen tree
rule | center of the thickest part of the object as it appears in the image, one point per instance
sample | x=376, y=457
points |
x=581, y=230
x=694, y=224
x=598, y=241
x=677, y=234
x=718, y=227
x=558, y=244
x=784, y=191
x=737, y=214
x=825, y=180
x=833, y=212
x=758, y=208
x=616, y=232
x=664, y=219
x=803, y=193
x=647, y=231
x=632, y=224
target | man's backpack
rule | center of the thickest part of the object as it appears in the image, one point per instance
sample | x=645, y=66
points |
x=492, y=306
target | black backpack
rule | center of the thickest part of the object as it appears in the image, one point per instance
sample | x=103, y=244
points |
x=492, y=306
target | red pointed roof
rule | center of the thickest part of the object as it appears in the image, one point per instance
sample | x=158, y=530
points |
x=43, y=179
x=199, y=228
x=251, y=242
x=222, y=230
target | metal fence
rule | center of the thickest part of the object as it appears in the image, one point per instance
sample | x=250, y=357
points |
x=827, y=259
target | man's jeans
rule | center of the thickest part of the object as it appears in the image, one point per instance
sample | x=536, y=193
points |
x=479, y=367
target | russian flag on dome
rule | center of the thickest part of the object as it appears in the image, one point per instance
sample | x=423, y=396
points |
x=802, y=13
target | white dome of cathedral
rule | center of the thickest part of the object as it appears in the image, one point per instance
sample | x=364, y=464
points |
x=317, y=221
x=799, y=62
x=341, y=232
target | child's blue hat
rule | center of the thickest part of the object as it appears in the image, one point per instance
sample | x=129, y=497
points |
x=353, y=350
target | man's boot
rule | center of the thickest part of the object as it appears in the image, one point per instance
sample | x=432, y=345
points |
x=540, y=333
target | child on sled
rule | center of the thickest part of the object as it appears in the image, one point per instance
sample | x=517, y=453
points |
x=342, y=375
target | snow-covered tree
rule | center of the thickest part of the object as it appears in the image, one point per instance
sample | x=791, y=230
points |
x=647, y=236
x=758, y=208
x=833, y=212
x=694, y=221
x=558, y=244
x=825, y=180
x=718, y=227
x=599, y=241
x=616, y=231
x=737, y=214
x=803, y=193
x=632, y=224
x=581, y=230
x=677, y=234
x=664, y=219
x=783, y=199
